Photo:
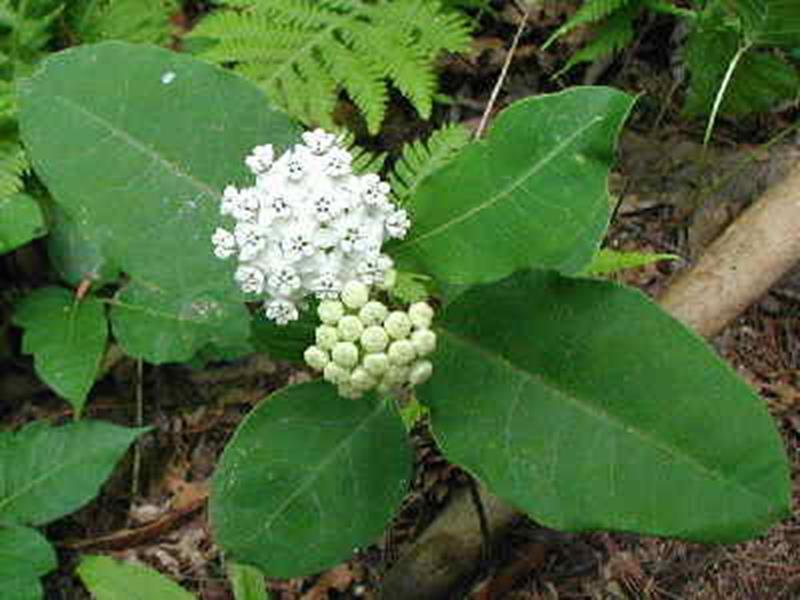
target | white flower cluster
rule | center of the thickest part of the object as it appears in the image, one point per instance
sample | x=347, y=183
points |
x=308, y=225
x=361, y=345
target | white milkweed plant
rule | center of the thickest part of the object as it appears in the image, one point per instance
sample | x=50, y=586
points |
x=573, y=398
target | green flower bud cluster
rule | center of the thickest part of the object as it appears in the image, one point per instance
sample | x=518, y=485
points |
x=361, y=345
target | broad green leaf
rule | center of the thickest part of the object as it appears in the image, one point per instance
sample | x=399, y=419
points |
x=147, y=140
x=308, y=477
x=247, y=582
x=525, y=196
x=590, y=408
x=610, y=261
x=20, y=221
x=109, y=579
x=168, y=325
x=67, y=338
x=25, y=555
x=73, y=253
x=48, y=472
x=287, y=342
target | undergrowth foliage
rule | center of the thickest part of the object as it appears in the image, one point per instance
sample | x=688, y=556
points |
x=303, y=53
x=723, y=35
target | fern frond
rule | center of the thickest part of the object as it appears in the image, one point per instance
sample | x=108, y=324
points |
x=614, y=33
x=303, y=53
x=420, y=159
x=13, y=165
x=591, y=12
x=364, y=161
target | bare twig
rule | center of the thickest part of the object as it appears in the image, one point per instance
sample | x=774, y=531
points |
x=502, y=77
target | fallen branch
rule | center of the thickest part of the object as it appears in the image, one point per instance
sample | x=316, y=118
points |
x=742, y=264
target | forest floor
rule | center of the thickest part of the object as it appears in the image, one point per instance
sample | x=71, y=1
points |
x=673, y=197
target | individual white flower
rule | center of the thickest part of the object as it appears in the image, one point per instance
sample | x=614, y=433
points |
x=298, y=244
x=250, y=239
x=373, y=270
x=355, y=294
x=295, y=166
x=397, y=324
x=275, y=206
x=319, y=141
x=246, y=208
x=224, y=243
x=353, y=237
x=373, y=190
x=281, y=311
x=284, y=281
x=326, y=286
x=250, y=279
x=260, y=159
x=397, y=224
x=230, y=200
x=307, y=210
x=338, y=162
x=326, y=207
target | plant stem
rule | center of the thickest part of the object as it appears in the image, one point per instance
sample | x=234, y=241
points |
x=722, y=89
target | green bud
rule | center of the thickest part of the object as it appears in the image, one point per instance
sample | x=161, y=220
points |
x=330, y=311
x=373, y=313
x=350, y=328
x=345, y=354
x=316, y=358
x=374, y=339
x=397, y=325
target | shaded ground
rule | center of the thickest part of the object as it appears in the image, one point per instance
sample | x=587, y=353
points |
x=673, y=199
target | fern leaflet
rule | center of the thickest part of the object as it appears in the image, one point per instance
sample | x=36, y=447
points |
x=420, y=159
x=591, y=12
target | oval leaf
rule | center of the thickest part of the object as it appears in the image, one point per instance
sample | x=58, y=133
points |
x=170, y=325
x=147, y=140
x=525, y=196
x=308, y=477
x=49, y=472
x=108, y=579
x=25, y=555
x=590, y=408
x=67, y=338
x=20, y=221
